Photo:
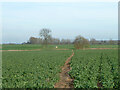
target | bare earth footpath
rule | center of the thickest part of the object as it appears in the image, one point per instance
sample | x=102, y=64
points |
x=59, y=49
x=65, y=80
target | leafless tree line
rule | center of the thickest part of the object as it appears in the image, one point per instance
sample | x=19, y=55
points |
x=79, y=42
x=93, y=41
x=50, y=40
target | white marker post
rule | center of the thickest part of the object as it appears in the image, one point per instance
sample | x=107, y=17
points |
x=56, y=47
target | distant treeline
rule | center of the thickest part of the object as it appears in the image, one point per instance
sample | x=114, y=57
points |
x=46, y=38
x=50, y=40
x=93, y=41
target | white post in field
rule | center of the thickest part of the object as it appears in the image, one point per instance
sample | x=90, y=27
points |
x=56, y=47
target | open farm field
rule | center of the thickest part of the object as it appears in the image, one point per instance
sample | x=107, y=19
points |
x=38, y=69
x=95, y=68
x=0, y=47
x=89, y=68
x=37, y=46
x=60, y=44
x=34, y=46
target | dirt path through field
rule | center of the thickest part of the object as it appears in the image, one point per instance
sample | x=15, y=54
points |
x=100, y=48
x=65, y=80
x=60, y=49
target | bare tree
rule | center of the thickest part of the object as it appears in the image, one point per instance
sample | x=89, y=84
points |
x=45, y=35
x=111, y=42
x=55, y=41
x=93, y=41
x=80, y=42
x=68, y=41
x=33, y=40
x=63, y=41
x=39, y=41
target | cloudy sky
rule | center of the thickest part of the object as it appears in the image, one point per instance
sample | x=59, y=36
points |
x=21, y=20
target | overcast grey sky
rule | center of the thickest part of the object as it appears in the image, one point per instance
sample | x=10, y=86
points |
x=21, y=20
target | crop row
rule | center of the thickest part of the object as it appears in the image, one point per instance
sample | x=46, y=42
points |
x=95, y=69
x=32, y=69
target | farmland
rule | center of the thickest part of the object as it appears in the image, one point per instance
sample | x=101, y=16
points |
x=57, y=44
x=31, y=69
x=37, y=46
x=34, y=46
x=95, y=68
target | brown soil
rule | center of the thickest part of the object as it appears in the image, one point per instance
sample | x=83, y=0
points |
x=99, y=84
x=65, y=80
x=60, y=49
x=100, y=48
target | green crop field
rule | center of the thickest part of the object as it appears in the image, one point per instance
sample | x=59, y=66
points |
x=37, y=46
x=0, y=47
x=32, y=69
x=34, y=46
x=60, y=44
x=93, y=67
